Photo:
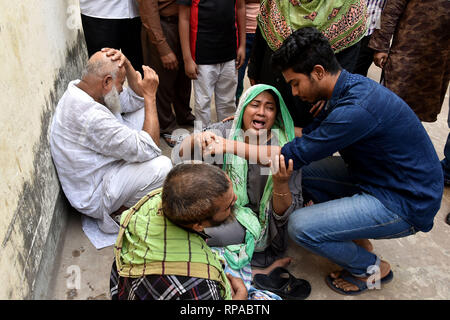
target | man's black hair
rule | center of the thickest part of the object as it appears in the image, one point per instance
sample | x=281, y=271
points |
x=304, y=49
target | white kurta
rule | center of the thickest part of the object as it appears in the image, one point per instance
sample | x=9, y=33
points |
x=95, y=151
x=110, y=9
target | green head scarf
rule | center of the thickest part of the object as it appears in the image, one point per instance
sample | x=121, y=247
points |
x=256, y=226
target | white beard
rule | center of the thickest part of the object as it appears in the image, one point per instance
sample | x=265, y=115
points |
x=112, y=101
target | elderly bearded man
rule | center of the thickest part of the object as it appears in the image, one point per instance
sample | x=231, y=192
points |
x=105, y=138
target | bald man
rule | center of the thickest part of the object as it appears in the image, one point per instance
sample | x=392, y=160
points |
x=104, y=138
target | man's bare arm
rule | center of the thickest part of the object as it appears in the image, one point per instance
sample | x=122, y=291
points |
x=256, y=154
x=149, y=86
x=241, y=22
x=190, y=67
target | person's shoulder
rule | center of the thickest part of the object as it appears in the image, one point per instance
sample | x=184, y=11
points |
x=356, y=81
x=357, y=90
x=76, y=104
x=368, y=93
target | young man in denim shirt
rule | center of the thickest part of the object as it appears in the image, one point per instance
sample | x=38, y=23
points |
x=387, y=181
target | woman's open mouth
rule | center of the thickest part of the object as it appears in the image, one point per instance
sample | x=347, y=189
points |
x=258, y=124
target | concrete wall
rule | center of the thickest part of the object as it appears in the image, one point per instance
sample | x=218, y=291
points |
x=42, y=49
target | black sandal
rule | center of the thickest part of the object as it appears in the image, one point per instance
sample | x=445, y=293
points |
x=281, y=282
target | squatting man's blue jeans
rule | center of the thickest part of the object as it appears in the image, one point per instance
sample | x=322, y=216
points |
x=342, y=213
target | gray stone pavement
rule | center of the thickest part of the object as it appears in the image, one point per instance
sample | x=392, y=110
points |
x=420, y=263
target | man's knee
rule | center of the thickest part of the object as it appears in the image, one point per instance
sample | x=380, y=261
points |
x=150, y=176
x=300, y=229
x=161, y=166
x=152, y=173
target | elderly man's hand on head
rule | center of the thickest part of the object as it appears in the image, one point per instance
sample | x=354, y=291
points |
x=131, y=74
x=117, y=55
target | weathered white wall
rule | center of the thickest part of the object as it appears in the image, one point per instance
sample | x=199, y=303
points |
x=41, y=49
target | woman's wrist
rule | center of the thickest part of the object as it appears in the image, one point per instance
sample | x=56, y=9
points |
x=280, y=186
x=284, y=194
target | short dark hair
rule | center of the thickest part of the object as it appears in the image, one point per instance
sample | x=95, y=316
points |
x=190, y=192
x=304, y=49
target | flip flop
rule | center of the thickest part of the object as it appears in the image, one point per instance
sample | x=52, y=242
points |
x=171, y=142
x=284, y=284
x=262, y=259
x=361, y=284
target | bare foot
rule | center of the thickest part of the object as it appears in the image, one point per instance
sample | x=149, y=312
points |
x=385, y=268
x=365, y=243
x=308, y=204
x=283, y=262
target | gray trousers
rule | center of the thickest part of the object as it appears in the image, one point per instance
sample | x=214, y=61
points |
x=218, y=79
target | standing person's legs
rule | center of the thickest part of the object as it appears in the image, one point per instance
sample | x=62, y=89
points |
x=365, y=57
x=167, y=78
x=446, y=161
x=100, y=33
x=203, y=91
x=347, y=58
x=249, y=37
x=225, y=90
x=181, y=102
x=182, y=94
x=131, y=43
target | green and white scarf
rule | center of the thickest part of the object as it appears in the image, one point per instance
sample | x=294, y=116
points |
x=343, y=22
x=236, y=167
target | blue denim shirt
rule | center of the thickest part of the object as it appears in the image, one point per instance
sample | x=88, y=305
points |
x=387, y=150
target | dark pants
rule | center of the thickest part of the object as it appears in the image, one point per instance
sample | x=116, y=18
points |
x=446, y=161
x=174, y=86
x=124, y=34
x=365, y=57
x=348, y=58
x=241, y=72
